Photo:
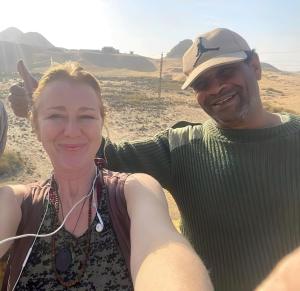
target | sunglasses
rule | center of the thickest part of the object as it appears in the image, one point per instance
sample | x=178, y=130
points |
x=222, y=73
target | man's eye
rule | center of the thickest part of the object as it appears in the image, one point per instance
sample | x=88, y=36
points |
x=226, y=72
x=201, y=85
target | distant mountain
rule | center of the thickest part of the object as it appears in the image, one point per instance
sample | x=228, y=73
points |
x=11, y=52
x=268, y=67
x=35, y=39
x=178, y=50
x=125, y=61
x=38, y=52
x=11, y=34
x=16, y=36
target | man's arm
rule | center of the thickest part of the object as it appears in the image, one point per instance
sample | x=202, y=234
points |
x=151, y=156
x=161, y=258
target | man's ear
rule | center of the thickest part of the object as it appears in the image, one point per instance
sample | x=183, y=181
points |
x=255, y=64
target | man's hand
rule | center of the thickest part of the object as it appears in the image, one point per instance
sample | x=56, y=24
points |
x=20, y=97
x=285, y=276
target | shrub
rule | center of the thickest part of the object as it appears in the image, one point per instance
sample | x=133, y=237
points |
x=10, y=163
x=271, y=107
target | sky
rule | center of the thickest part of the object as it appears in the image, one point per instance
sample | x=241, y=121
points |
x=150, y=27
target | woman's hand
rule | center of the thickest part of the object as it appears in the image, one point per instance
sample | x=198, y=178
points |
x=161, y=258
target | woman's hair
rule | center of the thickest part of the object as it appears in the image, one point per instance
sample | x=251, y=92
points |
x=70, y=72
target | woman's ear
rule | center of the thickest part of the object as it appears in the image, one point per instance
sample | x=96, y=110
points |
x=255, y=64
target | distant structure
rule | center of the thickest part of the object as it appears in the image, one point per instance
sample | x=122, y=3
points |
x=131, y=52
x=160, y=74
x=109, y=50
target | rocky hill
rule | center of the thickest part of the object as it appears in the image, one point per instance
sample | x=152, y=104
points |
x=14, y=35
x=268, y=67
x=178, y=50
x=38, y=53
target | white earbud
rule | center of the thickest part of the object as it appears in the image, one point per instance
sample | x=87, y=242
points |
x=100, y=224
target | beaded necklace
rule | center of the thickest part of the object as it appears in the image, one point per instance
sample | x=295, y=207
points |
x=62, y=258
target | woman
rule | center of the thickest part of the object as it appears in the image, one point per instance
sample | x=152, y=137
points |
x=90, y=251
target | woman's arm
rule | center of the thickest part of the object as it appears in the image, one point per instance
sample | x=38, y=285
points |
x=161, y=258
x=10, y=213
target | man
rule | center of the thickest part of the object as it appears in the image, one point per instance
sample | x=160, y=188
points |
x=235, y=178
x=3, y=128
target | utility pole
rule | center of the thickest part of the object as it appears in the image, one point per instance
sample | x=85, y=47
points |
x=160, y=74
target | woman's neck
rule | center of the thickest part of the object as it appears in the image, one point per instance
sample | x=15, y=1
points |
x=72, y=186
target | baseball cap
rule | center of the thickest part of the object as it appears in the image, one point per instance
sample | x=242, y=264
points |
x=217, y=47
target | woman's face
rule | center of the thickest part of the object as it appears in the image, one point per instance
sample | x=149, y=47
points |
x=69, y=124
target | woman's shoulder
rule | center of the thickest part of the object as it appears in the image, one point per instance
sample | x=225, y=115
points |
x=23, y=191
x=143, y=188
x=141, y=180
x=18, y=190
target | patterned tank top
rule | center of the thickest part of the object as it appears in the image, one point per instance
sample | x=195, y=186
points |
x=106, y=268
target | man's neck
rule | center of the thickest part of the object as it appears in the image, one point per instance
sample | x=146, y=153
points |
x=262, y=119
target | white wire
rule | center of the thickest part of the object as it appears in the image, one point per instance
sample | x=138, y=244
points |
x=30, y=249
x=64, y=221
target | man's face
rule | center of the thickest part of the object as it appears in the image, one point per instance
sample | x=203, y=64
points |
x=229, y=93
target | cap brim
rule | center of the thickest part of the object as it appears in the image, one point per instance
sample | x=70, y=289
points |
x=214, y=62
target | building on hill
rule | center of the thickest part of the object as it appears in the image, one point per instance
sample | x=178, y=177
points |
x=109, y=50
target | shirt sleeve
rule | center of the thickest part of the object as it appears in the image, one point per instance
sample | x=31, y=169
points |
x=151, y=156
x=3, y=127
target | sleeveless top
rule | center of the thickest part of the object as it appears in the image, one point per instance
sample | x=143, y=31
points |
x=106, y=268
x=114, y=214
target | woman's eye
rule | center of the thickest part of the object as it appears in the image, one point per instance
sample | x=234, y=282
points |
x=55, y=116
x=87, y=117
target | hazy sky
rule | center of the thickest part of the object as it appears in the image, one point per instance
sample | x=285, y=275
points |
x=149, y=27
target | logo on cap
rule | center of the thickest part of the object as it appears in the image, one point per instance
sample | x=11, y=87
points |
x=202, y=49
